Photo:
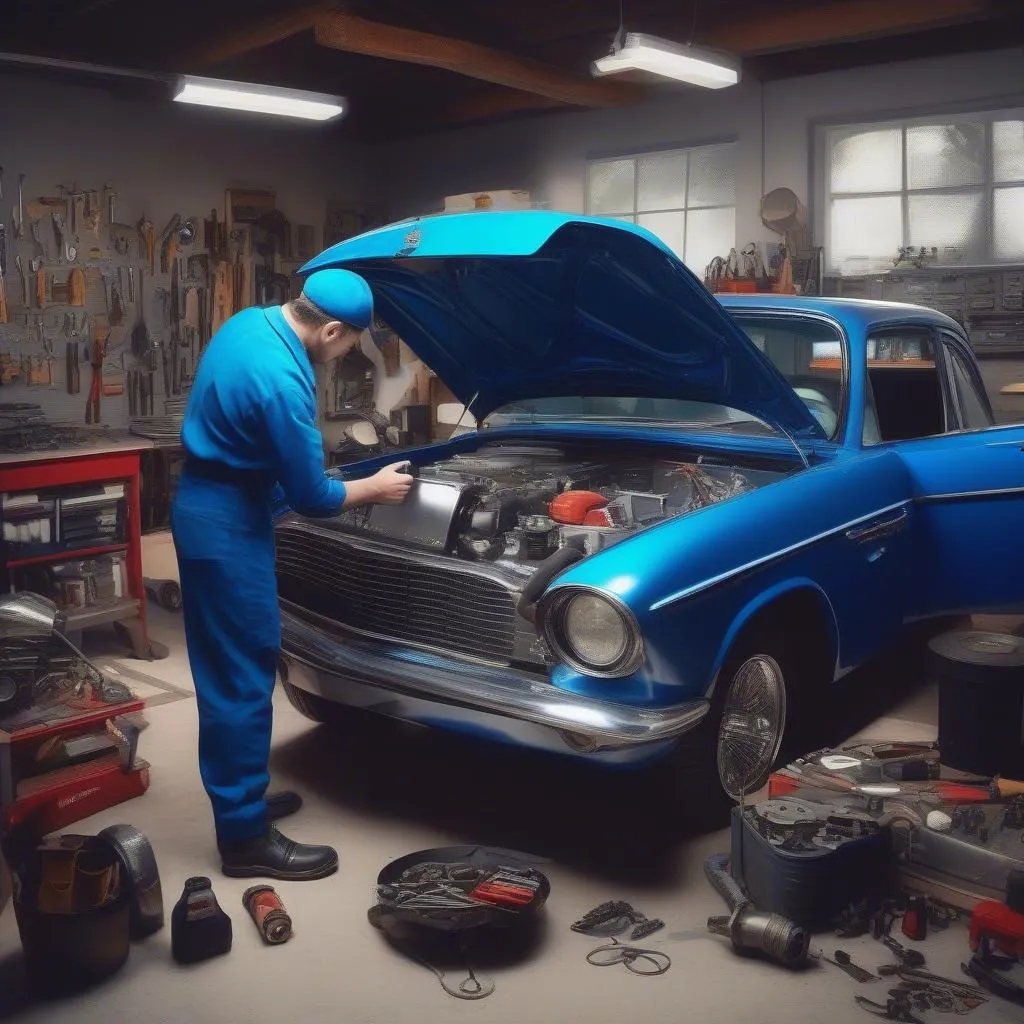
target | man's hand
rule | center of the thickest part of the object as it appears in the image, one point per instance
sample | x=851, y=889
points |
x=392, y=483
x=388, y=486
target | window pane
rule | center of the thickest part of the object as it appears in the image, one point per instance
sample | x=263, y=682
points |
x=669, y=227
x=712, y=176
x=661, y=182
x=611, y=186
x=865, y=232
x=1008, y=147
x=972, y=407
x=1009, y=223
x=940, y=155
x=867, y=161
x=954, y=224
x=709, y=233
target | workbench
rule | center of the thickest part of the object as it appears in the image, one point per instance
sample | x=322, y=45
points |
x=108, y=458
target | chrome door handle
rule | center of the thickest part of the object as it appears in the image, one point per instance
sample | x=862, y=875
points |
x=879, y=529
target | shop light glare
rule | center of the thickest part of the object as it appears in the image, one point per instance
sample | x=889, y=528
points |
x=259, y=99
x=688, y=64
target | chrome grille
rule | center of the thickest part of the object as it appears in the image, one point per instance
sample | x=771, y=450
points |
x=388, y=594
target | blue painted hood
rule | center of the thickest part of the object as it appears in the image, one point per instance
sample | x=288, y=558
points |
x=511, y=305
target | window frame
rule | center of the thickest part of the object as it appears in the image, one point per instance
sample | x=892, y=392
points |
x=825, y=131
x=739, y=314
x=595, y=159
x=949, y=341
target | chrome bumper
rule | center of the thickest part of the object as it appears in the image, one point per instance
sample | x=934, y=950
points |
x=584, y=724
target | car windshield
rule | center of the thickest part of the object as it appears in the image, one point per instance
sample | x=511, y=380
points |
x=810, y=354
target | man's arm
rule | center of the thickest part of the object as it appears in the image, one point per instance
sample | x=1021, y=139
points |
x=298, y=457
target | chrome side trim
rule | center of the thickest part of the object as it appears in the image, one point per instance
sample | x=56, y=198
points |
x=876, y=531
x=507, y=692
x=775, y=556
x=1001, y=492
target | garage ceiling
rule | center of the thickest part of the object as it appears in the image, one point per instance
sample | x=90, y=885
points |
x=410, y=66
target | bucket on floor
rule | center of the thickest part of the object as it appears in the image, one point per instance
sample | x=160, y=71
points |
x=981, y=701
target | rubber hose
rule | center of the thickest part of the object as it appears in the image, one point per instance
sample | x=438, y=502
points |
x=716, y=867
x=551, y=567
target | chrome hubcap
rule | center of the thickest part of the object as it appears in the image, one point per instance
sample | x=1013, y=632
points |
x=753, y=722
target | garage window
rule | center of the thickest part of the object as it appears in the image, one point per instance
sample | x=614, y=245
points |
x=953, y=184
x=687, y=197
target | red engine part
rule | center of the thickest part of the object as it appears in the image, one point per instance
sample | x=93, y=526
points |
x=598, y=517
x=571, y=507
x=1003, y=927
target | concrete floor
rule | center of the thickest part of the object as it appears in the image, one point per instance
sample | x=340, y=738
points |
x=385, y=791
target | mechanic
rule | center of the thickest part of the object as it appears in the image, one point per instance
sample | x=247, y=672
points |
x=252, y=451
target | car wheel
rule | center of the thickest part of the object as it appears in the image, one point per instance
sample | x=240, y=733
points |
x=759, y=708
x=315, y=708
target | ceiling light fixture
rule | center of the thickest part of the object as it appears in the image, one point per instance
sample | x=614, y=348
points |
x=259, y=99
x=690, y=64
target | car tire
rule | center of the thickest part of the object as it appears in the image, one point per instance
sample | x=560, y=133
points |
x=315, y=708
x=694, y=763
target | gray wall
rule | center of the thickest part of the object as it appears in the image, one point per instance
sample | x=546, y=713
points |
x=548, y=155
x=163, y=158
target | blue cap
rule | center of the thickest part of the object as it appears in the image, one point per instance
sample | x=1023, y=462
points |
x=341, y=294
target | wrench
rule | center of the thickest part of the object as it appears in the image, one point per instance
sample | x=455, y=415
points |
x=61, y=234
x=21, y=206
x=24, y=279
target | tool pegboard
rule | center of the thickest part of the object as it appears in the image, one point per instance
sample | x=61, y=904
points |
x=104, y=314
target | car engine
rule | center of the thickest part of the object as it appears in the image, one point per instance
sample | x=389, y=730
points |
x=519, y=505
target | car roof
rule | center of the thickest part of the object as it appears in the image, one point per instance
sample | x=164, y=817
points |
x=857, y=315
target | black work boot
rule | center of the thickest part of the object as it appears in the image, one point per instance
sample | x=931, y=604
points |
x=273, y=855
x=281, y=805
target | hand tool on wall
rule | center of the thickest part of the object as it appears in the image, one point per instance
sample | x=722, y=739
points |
x=19, y=211
x=76, y=287
x=4, y=316
x=41, y=288
x=131, y=284
x=111, y=197
x=25, y=296
x=116, y=306
x=149, y=240
x=92, y=213
x=169, y=243
x=100, y=336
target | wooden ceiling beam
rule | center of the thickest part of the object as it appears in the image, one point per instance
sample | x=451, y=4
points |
x=373, y=39
x=837, y=22
x=254, y=37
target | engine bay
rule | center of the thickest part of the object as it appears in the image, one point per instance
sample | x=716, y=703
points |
x=518, y=505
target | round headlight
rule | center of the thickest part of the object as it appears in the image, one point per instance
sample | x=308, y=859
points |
x=594, y=634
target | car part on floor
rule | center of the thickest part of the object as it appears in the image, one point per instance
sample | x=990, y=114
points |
x=139, y=876
x=267, y=911
x=199, y=927
x=981, y=701
x=427, y=910
x=645, y=962
x=72, y=911
x=166, y=593
x=614, y=917
x=750, y=929
x=844, y=962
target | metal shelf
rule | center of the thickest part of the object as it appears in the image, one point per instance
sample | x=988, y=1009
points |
x=99, y=615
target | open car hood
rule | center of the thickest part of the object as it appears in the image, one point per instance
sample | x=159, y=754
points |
x=505, y=306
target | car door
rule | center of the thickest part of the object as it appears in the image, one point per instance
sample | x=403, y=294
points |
x=968, y=486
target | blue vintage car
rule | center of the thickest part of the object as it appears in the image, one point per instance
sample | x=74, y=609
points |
x=669, y=518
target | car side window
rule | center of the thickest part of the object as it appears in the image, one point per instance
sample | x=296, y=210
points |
x=974, y=409
x=903, y=393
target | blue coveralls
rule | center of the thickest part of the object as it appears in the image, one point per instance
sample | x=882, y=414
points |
x=251, y=444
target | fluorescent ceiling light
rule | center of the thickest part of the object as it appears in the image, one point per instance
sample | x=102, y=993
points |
x=656, y=56
x=260, y=99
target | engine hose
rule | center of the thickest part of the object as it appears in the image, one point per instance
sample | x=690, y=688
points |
x=716, y=868
x=551, y=567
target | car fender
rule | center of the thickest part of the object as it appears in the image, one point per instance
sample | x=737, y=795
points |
x=763, y=601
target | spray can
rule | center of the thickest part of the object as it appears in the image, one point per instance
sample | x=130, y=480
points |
x=264, y=906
